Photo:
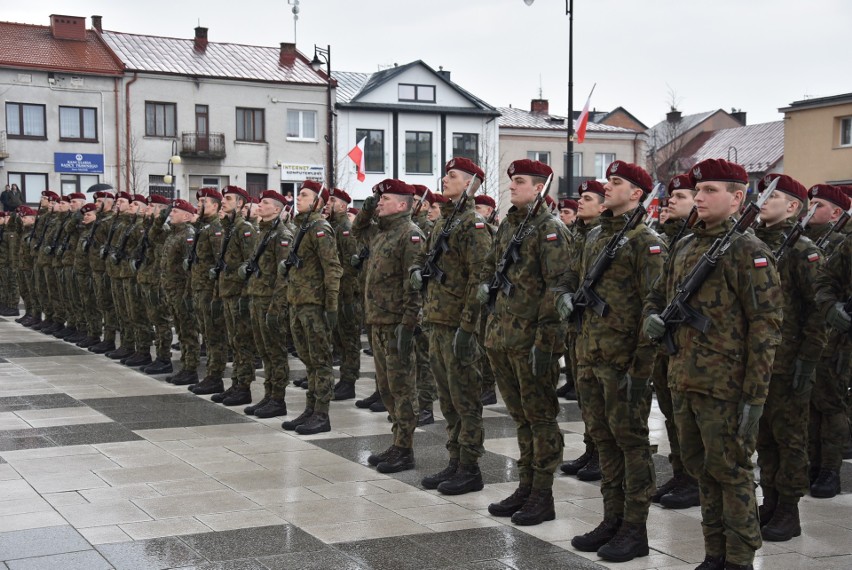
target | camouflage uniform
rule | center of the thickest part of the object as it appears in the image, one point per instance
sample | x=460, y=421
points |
x=390, y=301
x=525, y=319
x=447, y=307
x=427, y=390
x=25, y=276
x=84, y=280
x=143, y=332
x=742, y=300
x=8, y=253
x=155, y=304
x=174, y=285
x=614, y=363
x=209, y=311
x=487, y=378
x=67, y=253
x=782, y=437
x=117, y=276
x=46, y=282
x=347, y=335
x=59, y=296
x=312, y=291
x=101, y=278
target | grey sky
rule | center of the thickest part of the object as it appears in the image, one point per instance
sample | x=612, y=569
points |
x=757, y=55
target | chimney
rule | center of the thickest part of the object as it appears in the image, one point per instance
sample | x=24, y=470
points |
x=673, y=116
x=200, y=43
x=444, y=74
x=68, y=27
x=540, y=106
x=97, y=23
x=739, y=115
x=287, y=56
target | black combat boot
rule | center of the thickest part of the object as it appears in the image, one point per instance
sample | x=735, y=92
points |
x=665, y=488
x=344, y=391
x=571, y=467
x=119, y=353
x=368, y=351
x=594, y=539
x=76, y=337
x=732, y=566
x=26, y=317
x=375, y=458
x=592, y=470
x=488, y=397
x=468, y=478
x=300, y=382
x=89, y=341
x=684, y=495
x=537, y=509
x=250, y=410
x=187, y=378
x=272, y=409
x=317, y=423
x=209, y=385
x=432, y=481
x=159, y=366
x=103, y=347
x=302, y=418
x=511, y=504
x=767, y=509
x=369, y=400
x=630, y=541
x=425, y=417
x=378, y=406
x=65, y=332
x=784, y=524
x=826, y=485
x=138, y=359
x=39, y=324
x=220, y=397
x=712, y=563
x=399, y=459
x=177, y=376
x=239, y=397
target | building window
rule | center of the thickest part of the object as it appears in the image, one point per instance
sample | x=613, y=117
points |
x=418, y=152
x=302, y=125
x=31, y=184
x=374, y=149
x=70, y=183
x=157, y=185
x=250, y=125
x=160, y=119
x=78, y=124
x=25, y=121
x=846, y=131
x=466, y=145
x=541, y=156
x=577, y=169
x=602, y=160
x=422, y=93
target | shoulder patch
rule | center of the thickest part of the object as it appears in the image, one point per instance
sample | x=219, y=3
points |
x=247, y=234
x=321, y=234
x=760, y=262
x=553, y=236
x=415, y=238
x=190, y=239
x=654, y=250
x=284, y=243
x=812, y=257
x=345, y=233
x=479, y=225
x=217, y=234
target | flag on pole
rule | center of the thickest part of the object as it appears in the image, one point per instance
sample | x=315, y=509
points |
x=357, y=156
x=583, y=119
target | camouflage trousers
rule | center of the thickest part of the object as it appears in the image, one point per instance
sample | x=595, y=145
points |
x=487, y=378
x=395, y=379
x=73, y=300
x=427, y=390
x=347, y=341
x=92, y=318
x=240, y=338
x=270, y=346
x=459, y=392
x=9, y=295
x=313, y=342
x=158, y=314
x=122, y=313
x=180, y=307
x=571, y=363
x=143, y=331
x=715, y=455
x=57, y=295
x=24, y=278
x=617, y=421
x=103, y=297
x=210, y=317
x=532, y=403
x=828, y=426
x=48, y=291
x=660, y=379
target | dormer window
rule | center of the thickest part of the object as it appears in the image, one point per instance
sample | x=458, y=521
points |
x=419, y=93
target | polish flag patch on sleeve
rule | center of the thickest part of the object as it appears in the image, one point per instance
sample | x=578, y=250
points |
x=479, y=225
x=246, y=234
x=190, y=240
x=655, y=250
x=320, y=234
x=345, y=234
x=551, y=237
x=813, y=257
x=415, y=239
x=760, y=262
x=218, y=234
x=285, y=243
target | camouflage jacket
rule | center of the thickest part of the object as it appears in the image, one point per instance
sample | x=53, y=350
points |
x=742, y=298
x=669, y=230
x=176, y=247
x=453, y=303
x=616, y=337
x=45, y=234
x=347, y=246
x=70, y=237
x=115, y=271
x=528, y=316
x=394, y=243
x=99, y=240
x=422, y=222
x=149, y=272
x=816, y=231
x=26, y=260
x=82, y=265
x=209, y=235
x=57, y=238
x=317, y=282
x=262, y=282
x=8, y=245
x=240, y=248
x=833, y=285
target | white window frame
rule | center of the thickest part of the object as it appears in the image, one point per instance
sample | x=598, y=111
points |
x=846, y=131
x=602, y=160
x=538, y=154
x=302, y=113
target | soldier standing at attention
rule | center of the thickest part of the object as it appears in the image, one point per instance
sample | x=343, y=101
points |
x=451, y=312
x=312, y=292
x=568, y=215
x=143, y=330
x=525, y=339
x=75, y=330
x=117, y=276
x=782, y=453
x=392, y=307
x=614, y=363
x=720, y=378
x=486, y=207
x=45, y=278
x=438, y=200
x=26, y=277
x=102, y=286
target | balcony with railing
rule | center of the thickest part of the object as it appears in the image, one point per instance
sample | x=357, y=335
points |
x=202, y=145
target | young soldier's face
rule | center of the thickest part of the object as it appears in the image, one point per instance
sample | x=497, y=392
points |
x=715, y=203
x=567, y=215
x=826, y=212
x=777, y=207
x=434, y=212
x=522, y=191
x=484, y=210
x=390, y=204
x=336, y=205
x=590, y=206
x=89, y=217
x=680, y=204
x=618, y=193
x=304, y=200
x=454, y=183
x=268, y=209
x=121, y=204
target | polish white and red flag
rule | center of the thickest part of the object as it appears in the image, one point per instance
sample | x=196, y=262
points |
x=357, y=156
x=583, y=119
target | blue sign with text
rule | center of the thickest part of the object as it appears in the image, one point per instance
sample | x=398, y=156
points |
x=78, y=163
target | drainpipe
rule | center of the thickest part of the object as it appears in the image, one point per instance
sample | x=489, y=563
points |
x=117, y=135
x=127, y=130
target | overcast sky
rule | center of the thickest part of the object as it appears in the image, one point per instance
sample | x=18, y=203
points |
x=757, y=55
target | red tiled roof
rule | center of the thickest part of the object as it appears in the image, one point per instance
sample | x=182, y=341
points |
x=27, y=46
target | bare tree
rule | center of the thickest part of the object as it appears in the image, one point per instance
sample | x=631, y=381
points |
x=134, y=173
x=666, y=143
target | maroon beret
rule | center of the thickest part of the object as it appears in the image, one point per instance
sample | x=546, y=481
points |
x=88, y=208
x=785, y=184
x=846, y=189
x=50, y=195
x=4, y=214
x=633, y=173
x=253, y=200
x=465, y=165
x=180, y=204
x=527, y=167
x=353, y=211
x=439, y=198
x=551, y=203
x=208, y=192
x=592, y=186
x=77, y=196
x=833, y=194
x=65, y=199
x=483, y=200
x=341, y=195
x=104, y=194
x=124, y=195
x=717, y=170
x=420, y=190
x=26, y=211
x=140, y=198
x=157, y=199
x=394, y=186
x=680, y=182
x=273, y=195
x=236, y=190
x=568, y=204
x=317, y=188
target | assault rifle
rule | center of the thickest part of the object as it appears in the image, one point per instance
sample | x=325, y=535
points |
x=51, y=249
x=678, y=311
x=33, y=229
x=491, y=217
x=106, y=247
x=430, y=267
x=836, y=226
x=77, y=216
x=512, y=255
x=419, y=205
x=87, y=241
x=293, y=259
x=687, y=224
x=795, y=233
x=192, y=257
x=43, y=235
x=220, y=262
x=122, y=245
x=252, y=268
x=585, y=297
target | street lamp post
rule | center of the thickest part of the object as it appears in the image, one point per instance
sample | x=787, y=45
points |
x=323, y=56
x=569, y=162
x=169, y=178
